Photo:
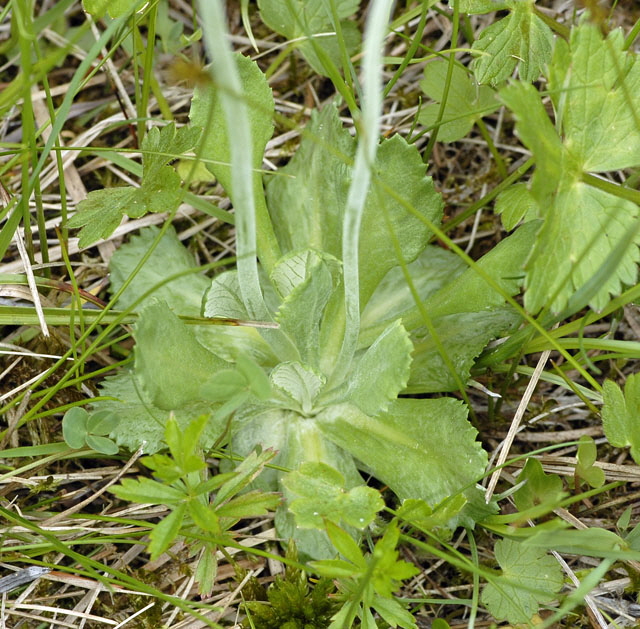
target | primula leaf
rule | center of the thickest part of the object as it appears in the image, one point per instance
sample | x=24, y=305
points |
x=207, y=112
x=540, y=488
x=409, y=446
x=306, y=18
x=308, y=211
x=173, y=371
x=322, y=496
x=529, y=577
x=170, y=257
x=387, y=363
x=520, y=39
x=299, y=383
x=466, y=102
x=100, y=214
x=141, y=421
x=620, y=414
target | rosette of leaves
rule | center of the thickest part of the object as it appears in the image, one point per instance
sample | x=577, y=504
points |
x=345, y=411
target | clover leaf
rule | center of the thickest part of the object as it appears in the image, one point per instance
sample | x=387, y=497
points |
x=80, y=429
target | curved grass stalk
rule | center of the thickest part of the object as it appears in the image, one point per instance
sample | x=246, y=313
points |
x=368, y=127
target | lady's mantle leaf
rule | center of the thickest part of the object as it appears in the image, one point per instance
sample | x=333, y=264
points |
x=322, y=496
x=466, y=102
x=307, y=18
x=101, y=212
x=520, y=38
x=172, y=371
x=620, y=415
x=529, y=577
x=409, y=446
x=207, y=113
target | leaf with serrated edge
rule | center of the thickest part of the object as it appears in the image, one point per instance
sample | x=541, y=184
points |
x=163, y=533
x=409, y=446
x=299, y=383
x=321, y=495
x=521, y=38
x=620, y=414
x=387, y=364
x=173, y=371
x=516, y=204
x=529, y=577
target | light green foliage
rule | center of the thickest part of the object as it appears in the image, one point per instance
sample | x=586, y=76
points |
x=300, y=412
x=482, y=6
x=100, y=214
x=466, y=102
x=529, y=577
x=540, y=488
x=587, y=456
x=367, y=582
x=621, y=415
x=304, y=19
x=588, y=242
x=98, y=8
x=521, y=39
x=321, y=496
x=168, y=30
x=197, y=503
x=207, y=112
x=516, y=204
x=81, y=429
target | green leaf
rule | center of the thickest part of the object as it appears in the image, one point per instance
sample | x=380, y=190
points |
x=207, y=112
x=98, y=8
x=620, y=414
x=102, y=422
x=333, y=568
x=592, y=81
x=205, y=517
x=145, y=423
x=593, y=542
x=101, y=212
x=104, y=445
x=147, y=491
x=389, y=571
x=346, y=545
x=245, y=473
x=588, y=244
x=418, y=512
x=165, y=532
x=172, y=372
x=74, y=427
x=170, y=257
x=482, y=6
x=516, y=204
x=463, y=336
x=298, y=383
x=387, y=363
x=409, y=446
x=521, y=39
x=255, y=376
x=223, y=385
x=529, y=577
x=306, y=18
x=540, y=488
x=394, y=613
x=307, y=212
x=466, y=102
x=322, y=496
x=250, y=505
x=585, y=469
